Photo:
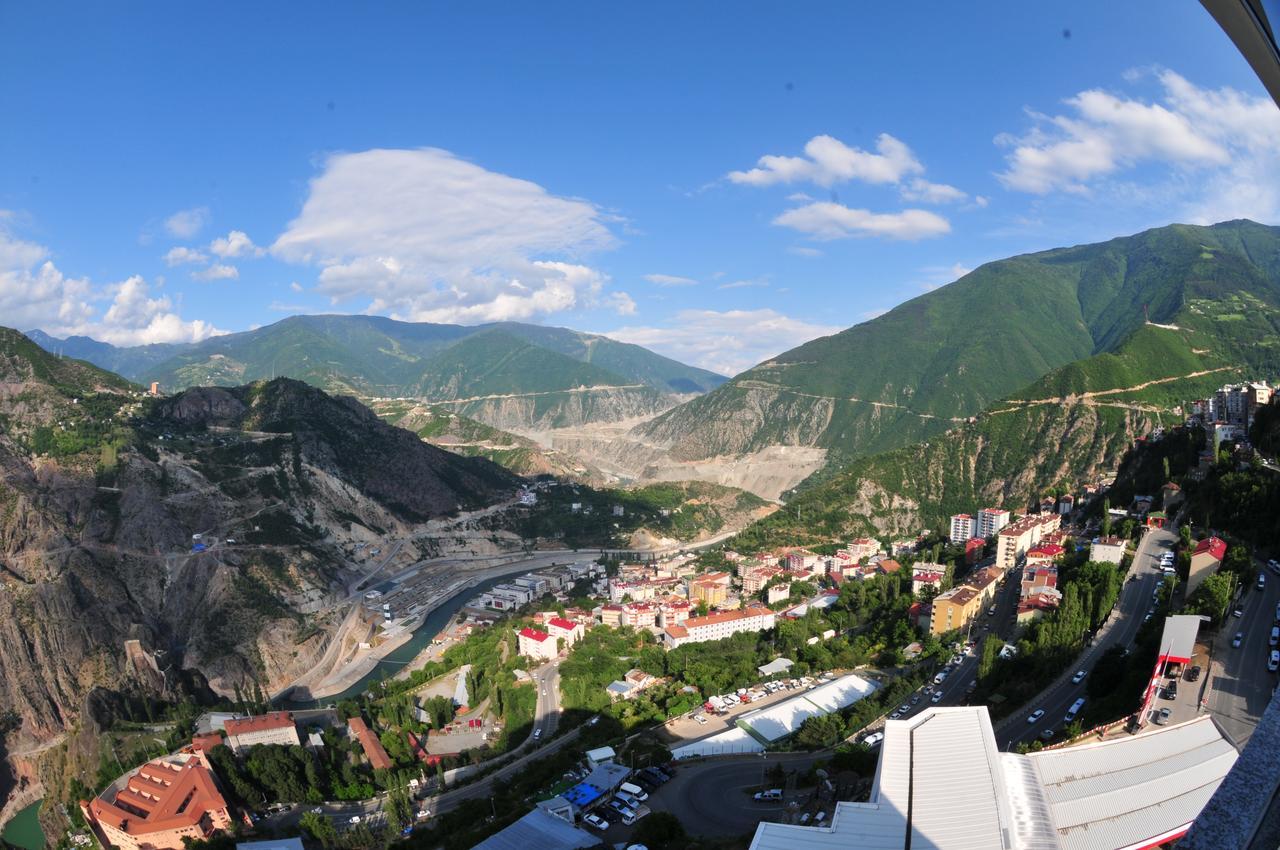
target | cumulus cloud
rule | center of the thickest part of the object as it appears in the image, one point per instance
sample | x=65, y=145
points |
x=235, y=244
x=727, y=342
x=427, y=236
x=923, y=191
x=182, y=255
x=187, y=223
x=670, y=280
x=34, y=293
x=828, y=161
x=217, y=271
x=826, y=220
x=1217, y=151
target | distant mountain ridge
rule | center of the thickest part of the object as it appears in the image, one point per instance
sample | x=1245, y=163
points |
x=373, y=356
x=941, y=358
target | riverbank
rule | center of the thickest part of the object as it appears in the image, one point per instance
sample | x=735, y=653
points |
x=23, y=829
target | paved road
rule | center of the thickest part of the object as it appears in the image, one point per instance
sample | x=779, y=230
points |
x=1122, y=630
x=1240, y=684
x=712, y=797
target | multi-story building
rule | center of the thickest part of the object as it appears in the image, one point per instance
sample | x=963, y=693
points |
x=954, y=609
x=536, y=644
x=962, y=527
x=1107, y=549
x=1206, y=558
x=777, y=593
x=1014, y=540
x=926, y=575
x=754, y=581
x=276, y=727
x=753, y=618
x=863, y=548
x=990, y=521
x=161, y=805
x=559, y=627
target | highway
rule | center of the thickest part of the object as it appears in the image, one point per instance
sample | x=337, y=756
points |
x=1240, y=685
x=1121, y=629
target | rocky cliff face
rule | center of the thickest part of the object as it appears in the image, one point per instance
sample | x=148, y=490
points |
x=523, y=414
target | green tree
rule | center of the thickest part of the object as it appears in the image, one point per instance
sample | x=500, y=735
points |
x=1106, y=517
x=319, y=828
x=1213, y=596
x=661, y=831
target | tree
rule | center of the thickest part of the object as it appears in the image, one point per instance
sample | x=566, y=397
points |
x=1106, y=517
x=1212, y=596
x=318, y=827
x=1185, y=534
x=661, y=831
x=990, y=652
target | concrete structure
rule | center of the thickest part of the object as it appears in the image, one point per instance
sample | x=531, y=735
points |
x=962, y=528
x=941, y=784
x=776, y=667
x=276, y=727
x=753, y=618
x=1206, y=558
x=991, y=521
x=954, y=609
x=373, y=751
x=536, y=644
x=1014, y=540
x=158, y=805
x=569, y=631
x=1107, y=549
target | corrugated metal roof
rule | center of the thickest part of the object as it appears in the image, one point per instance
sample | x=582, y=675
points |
x=1122, y=792
x=1179, y=637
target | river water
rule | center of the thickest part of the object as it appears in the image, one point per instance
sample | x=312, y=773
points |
x=395, y=660
x=24, y=830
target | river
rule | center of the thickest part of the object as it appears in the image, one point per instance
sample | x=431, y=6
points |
x=422, y=637
x=24, y=829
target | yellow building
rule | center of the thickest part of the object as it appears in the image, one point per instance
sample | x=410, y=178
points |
x=954, y=609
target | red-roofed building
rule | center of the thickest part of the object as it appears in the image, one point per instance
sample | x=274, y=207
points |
x=275, y=727
x=974, y=548
x=1206, y=558
x=369, y=742
x=536, y=644
x=204, y=743
x=888, y=566
x=572, y=632
x=1044, y=553
x=1037, y=606
x=753, y=618
x=161, y=803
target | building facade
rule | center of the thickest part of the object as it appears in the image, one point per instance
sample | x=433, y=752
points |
x=537, y=645
x=160, y=804
x=962, y=527
x=991, y=521
x=717, y=626
x=276, y=727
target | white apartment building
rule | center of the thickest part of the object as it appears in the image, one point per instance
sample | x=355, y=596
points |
x=276, y=727
x=991, y=521
x=536, y=644
x=718, y=626
x=962, y=527
x=1014, y=540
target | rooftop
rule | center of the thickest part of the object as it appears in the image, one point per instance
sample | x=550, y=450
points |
x=561, y=623
x=259, y=723
x=534, y=634
x=173, y=792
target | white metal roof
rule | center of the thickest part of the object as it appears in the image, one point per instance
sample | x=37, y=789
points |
x=731, y=741
x=784, y=718
x=1179, y=637
x=1123, y=792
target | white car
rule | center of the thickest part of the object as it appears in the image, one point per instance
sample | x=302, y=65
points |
x=873, y=740
x=596, y=821
x=1079, y=677
x=700, y=718
x=1273, y=663
x=1238, y=639
x=1035, y=716
x=936, y=698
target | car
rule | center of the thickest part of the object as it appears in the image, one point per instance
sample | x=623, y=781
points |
x=895, y=715
x=1262, y=582
x=634, y=791
x=1035, y=716
x=1278, y=611
x=873, y=740
x=1273, y=662
x=940, y=678
x=1047, y=735
x=928, y=689
x=317, y=811
x=1193, y=673
x=1079, y=676
x=537, y=733
x=622, y=808
x=627, y=800
x=701, y=718
x=355, y=819
x=804, y=818
x=1147, y=617
x=1275, y=636
x=937, y=698
x=596, y=821
x=915, y=699
x=1162, y=716
x=972, y=686
x=904, y=708
x=1238, y=639
x=764, y=796
x=1238, y=612
x=819, y=817
x=1170, y=690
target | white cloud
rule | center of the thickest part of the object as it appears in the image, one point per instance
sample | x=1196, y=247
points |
x=670, y=280
x=295, y=286
x=923, y=191
x=726, y=342
x=235, y=244
x=1216, y=151
x=828, y=161
x=183, y=255
x=621, y=303
x=750, y=283
x=804, y=251
x=34, y=293
x=187, y=223
x=426, y=236
x=217, y=271
x=825, y=221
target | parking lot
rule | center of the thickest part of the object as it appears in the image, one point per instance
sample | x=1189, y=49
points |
x=686, y=728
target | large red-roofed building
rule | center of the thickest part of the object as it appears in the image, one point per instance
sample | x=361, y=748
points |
x=536, y=644
x=369, y=742
x=275, y=727
x=161, y=803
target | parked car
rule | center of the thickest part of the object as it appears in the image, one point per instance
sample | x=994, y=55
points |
x=1238, y=639
x=700, y=718
x=633, y=791
x=622, y=809
x=873, y=740
x=1273, y=662
x=596, y=821
x=771, y=794
x=1238, y=611
x=1162, y=716
x=1047, y=735
x=937, y=698
x=1171, y=690
x=1035, y=716
x=1079, y=676
x=1193, y=673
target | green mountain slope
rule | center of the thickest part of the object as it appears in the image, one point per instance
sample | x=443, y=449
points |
x=1072, y=426
x=366, y=355
x=947, y=355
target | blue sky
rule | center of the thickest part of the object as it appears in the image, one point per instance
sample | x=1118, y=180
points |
x=183, y=170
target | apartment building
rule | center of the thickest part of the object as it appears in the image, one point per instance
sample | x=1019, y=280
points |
x=926, y=575
x=276, y=727
x=1014, y=540
x=558, y=627
x=962, y=528
x=754, y=618
x=991, y=521
x=954, y=609
x=1107, y=549
x=863, y=548
x=1206, y=558
x=537, y=645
